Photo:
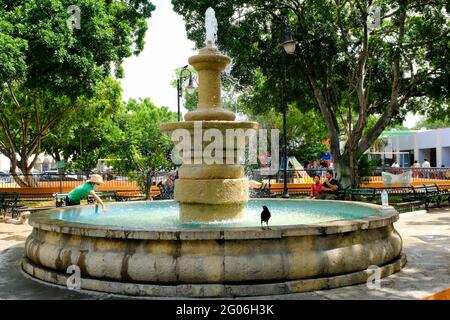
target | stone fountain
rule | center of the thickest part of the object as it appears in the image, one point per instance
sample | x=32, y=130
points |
x=208, y=258
x=210, y=191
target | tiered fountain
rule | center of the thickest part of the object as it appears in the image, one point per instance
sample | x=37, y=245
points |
x=216, y=191
x=208, y=242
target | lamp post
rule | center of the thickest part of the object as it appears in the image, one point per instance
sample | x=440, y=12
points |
x=190, y=87
x=288, y=44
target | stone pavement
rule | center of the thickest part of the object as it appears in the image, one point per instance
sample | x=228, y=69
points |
x=426, y=242
x=11, y=234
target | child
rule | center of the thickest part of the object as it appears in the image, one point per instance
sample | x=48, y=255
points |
x=316, y=187
x=83, y=191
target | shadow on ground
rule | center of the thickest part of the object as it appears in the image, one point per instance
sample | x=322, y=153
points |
x=437, y=221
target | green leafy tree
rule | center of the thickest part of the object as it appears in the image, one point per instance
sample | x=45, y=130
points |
x=139, y=143
x=85, y=135
x=189, y=100
x=343, y=66
x=432, y=123
x=48, y=67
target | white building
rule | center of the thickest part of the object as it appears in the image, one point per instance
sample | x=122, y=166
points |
x=405, y=146
x=43, y=163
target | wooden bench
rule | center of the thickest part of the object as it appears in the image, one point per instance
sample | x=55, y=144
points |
x=302, y=189
x=293, y=188
x=127, y=195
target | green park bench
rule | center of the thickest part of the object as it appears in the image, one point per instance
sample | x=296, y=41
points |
x=362, y=194
x=428, y=194
x=444, y=194
x=8, y=203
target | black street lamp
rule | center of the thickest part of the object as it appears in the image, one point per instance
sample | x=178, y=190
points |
x=288, y=45
x=190, y=87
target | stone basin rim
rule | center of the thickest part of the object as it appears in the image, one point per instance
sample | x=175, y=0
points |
x=382, y=217
x=208, y=291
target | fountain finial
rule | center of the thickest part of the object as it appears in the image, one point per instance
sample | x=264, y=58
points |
x=211, y=28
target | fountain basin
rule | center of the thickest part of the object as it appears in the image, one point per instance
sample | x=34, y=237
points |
x=214, y=260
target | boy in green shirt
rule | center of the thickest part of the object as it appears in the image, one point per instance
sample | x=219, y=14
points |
x=83, y=191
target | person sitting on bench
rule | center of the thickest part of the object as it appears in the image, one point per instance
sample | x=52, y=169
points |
x=316, y=187
x=330, y=187
x=83, y=191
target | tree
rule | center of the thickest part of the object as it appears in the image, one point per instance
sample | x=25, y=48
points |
x=50, y=67
x=188, y=100
x=343, y=66
x=85, y=135
x=431, y=123
x=306, y=132
x=138, y=142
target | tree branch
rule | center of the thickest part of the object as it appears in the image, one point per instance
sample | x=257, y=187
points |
x=394, y=104
x=16, y=102
x=327, y=112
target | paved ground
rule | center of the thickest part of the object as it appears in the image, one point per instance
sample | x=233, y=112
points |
x=426, y=241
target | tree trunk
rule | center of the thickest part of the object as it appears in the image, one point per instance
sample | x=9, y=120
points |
x=28, y=177
x=347, y=169
x=344, y=172
x=354, y=176
x=148, y=186
x=17, y=179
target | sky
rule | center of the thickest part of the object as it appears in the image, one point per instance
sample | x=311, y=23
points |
x=167, y=48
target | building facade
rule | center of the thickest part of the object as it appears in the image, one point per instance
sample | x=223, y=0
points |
x=42, y=164
x=406, y=147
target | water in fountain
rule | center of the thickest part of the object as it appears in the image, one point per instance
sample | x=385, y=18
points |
x=154, y=215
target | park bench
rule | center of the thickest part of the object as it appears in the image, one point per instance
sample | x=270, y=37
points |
x=398, y=196
x=362, y=194
x=60, y=198
x=128, y=195
x=262, y=192
x=293, y=188
x=342, y=193
x=302, y=189
x=428, y=194
x=401, y=194
x=444, y=193
x=8, y=203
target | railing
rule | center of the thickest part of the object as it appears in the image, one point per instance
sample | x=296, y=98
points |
x=52, y=180
x=40, y=186
x=306, y=175
x=43, y=185
x=417, y=174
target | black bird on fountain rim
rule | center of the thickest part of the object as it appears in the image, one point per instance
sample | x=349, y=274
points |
x=265, y=216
